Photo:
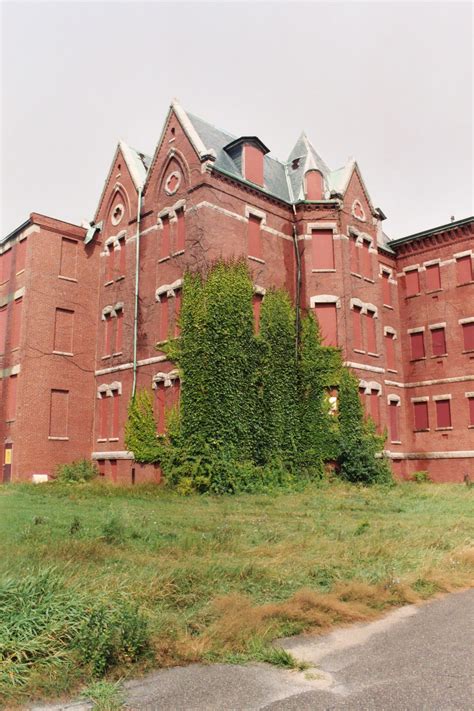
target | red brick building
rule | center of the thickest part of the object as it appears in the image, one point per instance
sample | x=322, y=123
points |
x=81, y=327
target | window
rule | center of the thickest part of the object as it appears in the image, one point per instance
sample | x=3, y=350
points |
x=180, y=231
x=470, y=402
x=10, y=410
x=386, y=289
x=3, y=328
x=443, y=413
x=254, y=237
x=433, y=277
x=110, y=272
x=115, y=414
x=464, y=269
x=438, y=341
x=118, y=331
x=393, y=408
x=412, y=282
x=354, y=255
x=107, y=335
x=468, y=335
x=327, y=318
x=371, y=333
x=374, y=406
x=417, y=343
x=20, y=256
x=16, y=323
x=322, y=248
x=366, y=260
x=257, y=305
x=420, y=411
x=164, y=318
x=390, y=350
x=103, y=415
x=165, y=243
x=63, y=331
x=123, y=257
x=68, y=263
x=5, y=266
x=58, y=414
x=357, y=328
x=314, y=185
x=253, y=164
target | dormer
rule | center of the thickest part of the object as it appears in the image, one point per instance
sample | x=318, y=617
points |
x=314, y=185
x=247, y=152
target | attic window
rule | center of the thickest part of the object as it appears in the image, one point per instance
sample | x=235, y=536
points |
x=295, y=164
x=117, y=214
x=248, y=152
x=173, y=131
x=358, y=210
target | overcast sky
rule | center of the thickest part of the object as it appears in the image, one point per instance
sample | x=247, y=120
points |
x=389, y=83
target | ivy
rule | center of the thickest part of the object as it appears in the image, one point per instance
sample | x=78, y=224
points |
x=140, y=428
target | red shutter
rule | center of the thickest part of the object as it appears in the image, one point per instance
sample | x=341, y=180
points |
x=471, y=411
x=438, y=338
x=314, y=185
x=123, y=257
x=357, y=328
x=393, y=417
x=180, y=231
x=386, y=289
x=20, y=255
x=354, y=255
x=322, y=249
x=58, y=414
x=16, y=323
x=103, y=416
x=165, y=244
x=254, y=237
x=326, y=315
x=412, y=282
x=421, y=415
x=390, y=350
x=3, y=328
x=115, y=414
x=464, y=269
x=371, y=332
x=63, y=330
x=119, y=332
x=253, y=165
x=366, y=260
x=468, y=335
x=417, y=345
x=433, y=277
x=257, y=305
x=443, y=413
x=10, y=410
x=163, y=334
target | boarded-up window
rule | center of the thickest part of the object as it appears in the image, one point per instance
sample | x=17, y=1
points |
x=357, y=327
x=322, y=249
x=177, y=311
x=110, y=264
x=115, y=414
x=3, y=328
x=393, y=421
x=438, y=340
x=327, y=318
x=366, y=260
x=107, y=335
x=412, y=282
x=371, y=332
x=5, y=266
x=468, y=336
x=20, y=256
x=58, y=413
x=386, y=289
x=253, y=164
x=254, y=237
x=103, y=415
x=314, y=185
x=63, y=330
x=417, y=343
x=390, y=350
x=470, y=401
x=164, y=318
x=16, y=323
x=180, y=231
x=443, y=413
x=165, y=240
x=420, y=414
x=374, y=407
x=10, y=410
x=160, y=408
x=354, y=255
x=464, y=269
x=123, y=257
x=257, y=305
x=118, y=332
x=433, y=277
x=68, y=264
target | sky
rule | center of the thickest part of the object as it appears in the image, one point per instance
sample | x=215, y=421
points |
x=390, y=83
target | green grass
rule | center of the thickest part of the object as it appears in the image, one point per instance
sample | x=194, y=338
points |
x=213, y=579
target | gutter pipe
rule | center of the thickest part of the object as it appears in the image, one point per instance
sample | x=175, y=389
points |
x=137, y=283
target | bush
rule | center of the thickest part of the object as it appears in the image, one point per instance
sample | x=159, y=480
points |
x=140, y=428
x=77, y=472
x=421, y=477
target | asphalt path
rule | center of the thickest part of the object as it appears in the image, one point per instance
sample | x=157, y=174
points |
x=416, y=658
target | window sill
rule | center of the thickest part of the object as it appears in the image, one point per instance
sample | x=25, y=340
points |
x=164, y=259
x=441, y=355
x=59, y=439
x=65, y=278
x=374, y=355
x=359, y=276
x=434, y=291
x=180, y=251
x=369, y=279
x=106, y=357
x=443, y=429
x=22, y=271
x=257, y=259
x=396, y=441
x=114, y=355
x=62, y=353
x=161, y=343
x=102, y=439
x=119, y=278
x=9, y=422
x=470, y=427
x=113, y=439
x=471, y=350
x=466, y=283
x=17, y=348
x=356, y=350
x=415, y=360
x=425, y=430
x=108, y=283
x=412, y=296
x=319, y=271
x=391, y=370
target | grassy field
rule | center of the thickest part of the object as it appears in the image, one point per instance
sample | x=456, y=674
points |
x=213, y=578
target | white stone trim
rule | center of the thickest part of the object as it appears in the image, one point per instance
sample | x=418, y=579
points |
x=373, y=385
x=325, y=299
x=240, y=218
x=168, y=289
x=166, y=378
x=311, y=226
x=455, y=454
x=412, y=268
x=255, y=212
x=128, y=366
x=189, y=129
x=442, y=397
x=358, y=202
x=12, y=370
x=434, y=326
x=419, y=329
x=123, y=454
x=107, y=311
x=109, y=389
x=424, y=383
x=259, y=290
x=363, y=366
x=466, y=253
x=424, y=398
x=394, y=398
x=432, y=263
x=389, y=330
x=469, y=394
x=356, y=302
x=462, y=321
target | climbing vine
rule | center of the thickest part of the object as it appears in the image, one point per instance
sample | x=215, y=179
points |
x=140, y=428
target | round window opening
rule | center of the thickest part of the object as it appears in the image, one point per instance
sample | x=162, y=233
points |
x=173, y=181
x=117, y=214
x=358, y=211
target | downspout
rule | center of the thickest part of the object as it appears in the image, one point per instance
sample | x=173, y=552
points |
x=298, y=285
x=137, y=283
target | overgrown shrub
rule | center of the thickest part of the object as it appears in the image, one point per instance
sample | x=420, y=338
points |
x=421, y=477
x=140, y=428
x=76, y=472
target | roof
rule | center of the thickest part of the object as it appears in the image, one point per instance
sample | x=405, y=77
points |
x=433, y=231
x=137, y=162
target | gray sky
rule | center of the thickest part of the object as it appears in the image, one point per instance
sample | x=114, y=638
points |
x=390, y=83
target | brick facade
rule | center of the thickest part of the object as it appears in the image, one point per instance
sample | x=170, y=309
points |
x=402, y=311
